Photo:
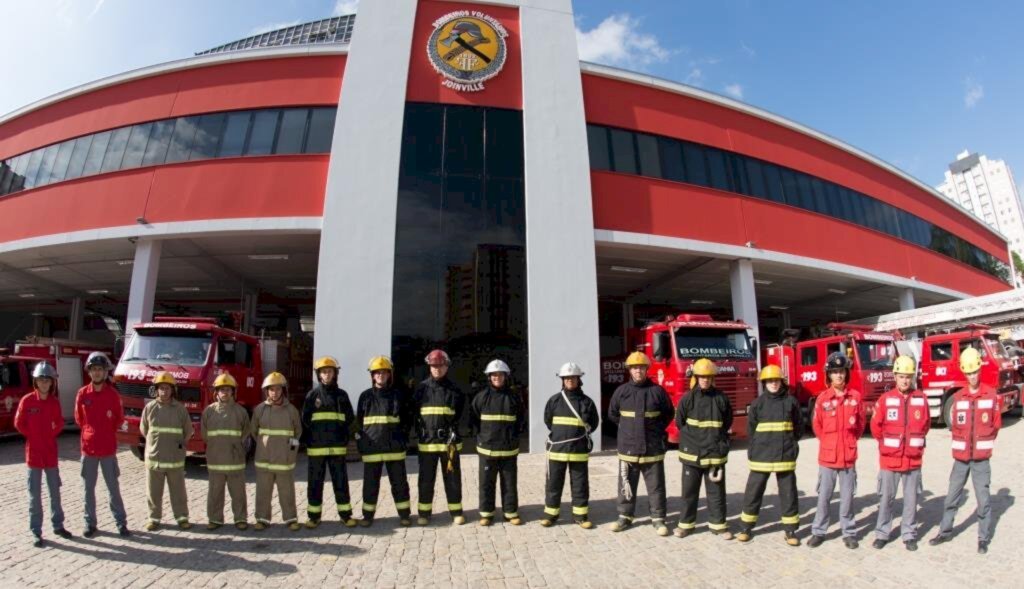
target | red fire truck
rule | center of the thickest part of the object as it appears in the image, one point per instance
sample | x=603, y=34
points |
x=195, y=350
x=15, y=382
x=68, y=359
x=675, y=344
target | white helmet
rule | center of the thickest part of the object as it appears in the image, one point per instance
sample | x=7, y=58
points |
x=570, y=369
x=497, y=366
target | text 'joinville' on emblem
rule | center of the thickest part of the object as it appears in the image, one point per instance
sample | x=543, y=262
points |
x=467, y=48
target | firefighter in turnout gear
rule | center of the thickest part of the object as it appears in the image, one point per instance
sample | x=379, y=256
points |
x=167, y=428
x=641, y=410
x=225, y=427
x=277, y=428
x=900, y=423
x=838, y=423
x=439, y=405
x=384, y=418
x=774, y=425
x=571, y=417
x=326, y=416
x=497, y=417
x=975, y=420
x=704, y=418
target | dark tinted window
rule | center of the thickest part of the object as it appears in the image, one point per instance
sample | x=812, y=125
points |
x=293, y=131
x=647, y=150
x=696, y=167
x=809, y=356
x=719, y=175
x=623, y=151
x=597, y=141
x=136, y=147
x=671, y=152
x=115, y=149
x=159, y=141
x=755, y=177
x=78, y=157
x=773, y=183
x=208, y=136
x=264, y=129
x=504, y=131
x=321, y=130
x=464, y=141
x=235, y=131
x=422, y=140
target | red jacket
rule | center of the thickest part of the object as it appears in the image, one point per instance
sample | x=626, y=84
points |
x=40, y=421
x=838, y=422
x=900, y=424
x=99, y=414
x=977, y=418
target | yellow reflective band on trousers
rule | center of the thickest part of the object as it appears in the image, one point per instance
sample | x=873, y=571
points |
x=702, y=461
x=686, y=526
x=568, y=456
x=369, y=507
x=454, y=507
x=166, y=430
x=385, y=457
x=276, y=432
x=718, y=527
x=344, y=507
x=166, y=465
x=775, y=426
x=791, y=520
x=402, y=505
x=647, y=414
x=328, y=416
x=380, y=420
x=314, y=509
x=580, y=510
x=772, y=466
x=641, y=459
x=747, y=518
x=497, y=417
x=275, y=467
x=437, y=411
x=699, y=423
x=551, y=510
x=213, y=433
x=424, y=507
x=436, y=447
x=497, y=453
x=225, y=467
x=332, y=451
x=567, y=421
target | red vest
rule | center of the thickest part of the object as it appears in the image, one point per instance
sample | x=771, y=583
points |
x=838, y=422
x=976, y=420
x=900, y=424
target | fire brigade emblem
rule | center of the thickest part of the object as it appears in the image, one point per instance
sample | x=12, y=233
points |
x=917, y=414
x=892, y=414
x=961, y=417
x=468, y=48
x=984, y=417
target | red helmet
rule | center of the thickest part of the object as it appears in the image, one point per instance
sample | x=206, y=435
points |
x=438, y=358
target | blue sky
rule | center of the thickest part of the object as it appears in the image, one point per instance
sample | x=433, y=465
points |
x=912, y=82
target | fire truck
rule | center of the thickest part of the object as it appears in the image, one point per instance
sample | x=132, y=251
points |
x=871, y=353
x=15, y=382
x=675, y=343
x=68, y=359
x=195, y=350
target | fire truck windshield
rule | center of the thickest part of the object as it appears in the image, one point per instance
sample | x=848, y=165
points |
x=876, y=355
x=714, y=344
x=156, y=347
x=995, y=348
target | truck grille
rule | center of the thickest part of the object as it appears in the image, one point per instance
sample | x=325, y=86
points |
x=740, y=393
x=185, y=394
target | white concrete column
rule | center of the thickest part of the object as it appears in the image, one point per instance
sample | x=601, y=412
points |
x=907, y=300
x=560, y=257
x=357, y=242
x=75, y=318
x=744, y=300
x=143, y=288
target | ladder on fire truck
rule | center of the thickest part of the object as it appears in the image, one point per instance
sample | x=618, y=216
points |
x=1002, y=310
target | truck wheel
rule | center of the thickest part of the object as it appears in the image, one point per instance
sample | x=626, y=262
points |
x=947, y=411
x=137, y=452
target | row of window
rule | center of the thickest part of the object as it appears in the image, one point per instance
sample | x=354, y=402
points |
x=223, y=134
x=665, y=158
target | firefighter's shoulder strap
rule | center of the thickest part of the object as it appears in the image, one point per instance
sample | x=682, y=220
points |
x=586, y=427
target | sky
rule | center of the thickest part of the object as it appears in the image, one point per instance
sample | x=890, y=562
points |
x=912, y=82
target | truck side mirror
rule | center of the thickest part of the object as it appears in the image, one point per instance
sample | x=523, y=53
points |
x=660, y=346
x=753, y=345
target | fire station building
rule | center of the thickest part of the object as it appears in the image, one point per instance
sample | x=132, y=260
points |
x=435, y=173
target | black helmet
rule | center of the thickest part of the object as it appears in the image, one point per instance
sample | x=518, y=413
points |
x=44, y=370
x=837, y=361
x=98, y=359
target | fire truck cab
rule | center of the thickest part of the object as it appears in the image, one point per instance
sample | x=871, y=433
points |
x=15, y=382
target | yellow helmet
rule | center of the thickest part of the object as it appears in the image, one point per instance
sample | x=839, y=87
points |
x=905, y=365
x=638, y=359
x=770, y=372
x=225, y=380
x=275, y=379
x=970, y=361
x=704, y=367
x=164, y=377
x=380, y=363
x=326, y=362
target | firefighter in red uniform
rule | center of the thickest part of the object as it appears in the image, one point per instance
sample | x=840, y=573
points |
x=976, y=417
x=838, y=422
x=900, y=424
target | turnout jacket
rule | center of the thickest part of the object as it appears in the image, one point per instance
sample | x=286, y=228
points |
x=438, y=406
x=497, y=417
x=167, y=428
x=384, y=417
x=703, y=418
x=327, y=415
x=642, y=412
x=274, y=427
x=564, y=425
x=224, y=427
x=774, y=424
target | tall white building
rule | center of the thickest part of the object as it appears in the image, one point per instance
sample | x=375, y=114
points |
x=986, y=188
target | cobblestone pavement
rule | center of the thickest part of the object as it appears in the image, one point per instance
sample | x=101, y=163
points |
x=504, y=555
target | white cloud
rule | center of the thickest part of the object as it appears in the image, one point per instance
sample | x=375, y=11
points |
x=695, y=77
x=345, y=7
x=271, y=27
x=618, y=41
x=748, y=50
x=734, y=90
x=974, y=93
x=95, y=9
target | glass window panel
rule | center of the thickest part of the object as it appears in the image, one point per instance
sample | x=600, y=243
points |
x=671, y=152
x=738, y=173
x=597, y=144
x=184, y=134
x=235, y=130
x=464, y=141
x=504, y=131
x=45, y=165
x=136, y=147
x=789, y=187
x=647, y=150
x=94, y=160
x=321, y=130
x=855, y=209
x=78, y=157
x=293, y=131
x=264, y=129
x=716, y=166
x=623, y=151
x=159, y=141
x=33, y=168
x=833, y=205
x=696, y=168
x=20, y=165
x=115, y=150
x=60, y=165
x=820, y=196
x=6, y=175
x=803, y=186
x=422, y=140
x=773, y=183
x=755, y=177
